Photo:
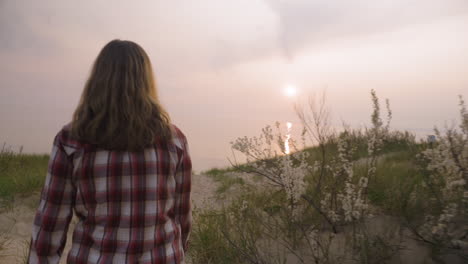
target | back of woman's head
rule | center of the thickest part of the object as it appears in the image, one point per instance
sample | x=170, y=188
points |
x=119, y=108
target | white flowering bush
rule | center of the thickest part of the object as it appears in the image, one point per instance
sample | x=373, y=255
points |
x=317, y=205
x=343, y=201
x=320, y=189
x=349, y=203
x=266, y=158
x=445, y=223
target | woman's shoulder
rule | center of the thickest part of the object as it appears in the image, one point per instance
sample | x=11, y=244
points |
x=178, y=137
x=176, y=132
x=64, y=139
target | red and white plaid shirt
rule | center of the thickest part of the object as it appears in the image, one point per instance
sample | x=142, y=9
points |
x=132, y=207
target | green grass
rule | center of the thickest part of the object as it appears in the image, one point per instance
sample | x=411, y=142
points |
x=207, y=244
x=224, y=180
x=396, y=177
x=218, y=171
x=21, y=174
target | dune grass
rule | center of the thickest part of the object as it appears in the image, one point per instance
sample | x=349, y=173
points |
x=21, y=174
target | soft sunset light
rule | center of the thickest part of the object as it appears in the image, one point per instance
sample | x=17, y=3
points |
x=290, y=90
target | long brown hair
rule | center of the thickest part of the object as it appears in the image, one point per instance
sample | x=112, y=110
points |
x=119, y=108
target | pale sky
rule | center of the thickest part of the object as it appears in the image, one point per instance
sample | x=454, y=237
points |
x=221, y=66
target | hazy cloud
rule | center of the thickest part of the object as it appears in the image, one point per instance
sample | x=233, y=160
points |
x=306, y=23
x=18, y=32
x=220, y=33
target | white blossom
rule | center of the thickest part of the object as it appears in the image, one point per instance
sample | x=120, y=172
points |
x=448, y=164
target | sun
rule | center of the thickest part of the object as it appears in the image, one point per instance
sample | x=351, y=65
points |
x=290, y=90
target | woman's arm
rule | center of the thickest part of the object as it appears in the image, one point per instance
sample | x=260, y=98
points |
x=53, y=216
x=183, y=188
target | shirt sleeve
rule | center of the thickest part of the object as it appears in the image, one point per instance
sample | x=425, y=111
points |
x=49, y=232
x=183, y=188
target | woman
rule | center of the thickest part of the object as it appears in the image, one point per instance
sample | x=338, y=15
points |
x=121, y=167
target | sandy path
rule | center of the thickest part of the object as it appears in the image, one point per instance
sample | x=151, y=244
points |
x=16, y=222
